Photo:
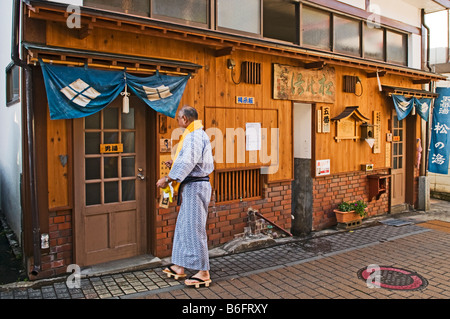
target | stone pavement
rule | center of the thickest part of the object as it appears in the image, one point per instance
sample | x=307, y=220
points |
x=319, y=267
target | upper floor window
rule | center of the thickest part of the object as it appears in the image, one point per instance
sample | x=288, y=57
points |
x=373, y=42
x=285, y=20
x=136, y=7
x=397, y=46
x=280, y=20
x=191, y=11
x=347, y=35
x=244, y=16
x=316, y=28
x=12, y=83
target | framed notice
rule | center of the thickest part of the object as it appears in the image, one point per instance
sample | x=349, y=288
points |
x=323, y=167
x=253, y=136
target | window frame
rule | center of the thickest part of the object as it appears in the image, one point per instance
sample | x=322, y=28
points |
x=360, y=33
x=213, y=25
x=405, y=49
x=209, y=16
x=10, y=96
x=297, y=25
x=237, y=31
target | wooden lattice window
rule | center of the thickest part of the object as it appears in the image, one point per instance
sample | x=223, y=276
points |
x=238, y=184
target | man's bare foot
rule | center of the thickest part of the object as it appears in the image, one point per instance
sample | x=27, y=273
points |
x=175, y=271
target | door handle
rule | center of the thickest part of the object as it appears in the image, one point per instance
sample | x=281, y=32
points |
x=140, y=175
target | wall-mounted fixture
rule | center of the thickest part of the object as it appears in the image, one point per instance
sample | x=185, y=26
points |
x=250, y=72
x=367, y=131
x=368, y=134
x=347, y=124
x=350, y=83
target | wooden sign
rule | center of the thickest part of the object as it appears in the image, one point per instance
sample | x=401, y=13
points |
x=377, y=132
x=326, y=119
x=388, y=155
x=299, y=84
x=245, y=100
x=111, y=148
x=319, y=121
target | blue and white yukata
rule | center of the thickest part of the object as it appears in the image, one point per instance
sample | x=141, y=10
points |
x=190, y=245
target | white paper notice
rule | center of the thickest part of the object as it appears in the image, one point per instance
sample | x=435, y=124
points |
x=253, y=136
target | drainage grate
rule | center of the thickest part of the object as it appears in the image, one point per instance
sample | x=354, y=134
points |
x=392, y=278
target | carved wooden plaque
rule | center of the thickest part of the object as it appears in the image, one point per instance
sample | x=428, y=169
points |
x=299, y=84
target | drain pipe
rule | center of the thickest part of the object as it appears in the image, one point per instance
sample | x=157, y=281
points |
x=30, y=135
x=428, y=40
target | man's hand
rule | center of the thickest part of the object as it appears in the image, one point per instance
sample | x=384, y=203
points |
x=169, y=163
x=161, y=183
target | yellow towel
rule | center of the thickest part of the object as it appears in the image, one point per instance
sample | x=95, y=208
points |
x=195, y=125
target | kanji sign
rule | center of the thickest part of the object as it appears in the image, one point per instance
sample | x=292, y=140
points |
x=111, y=148
x=439, y=146
x=299, y=84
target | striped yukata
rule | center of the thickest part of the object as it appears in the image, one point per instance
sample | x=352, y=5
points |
x=190, y=245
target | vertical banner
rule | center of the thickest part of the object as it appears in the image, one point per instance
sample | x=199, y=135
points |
x=439, y=145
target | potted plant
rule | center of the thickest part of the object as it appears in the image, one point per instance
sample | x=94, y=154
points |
x=351, y=211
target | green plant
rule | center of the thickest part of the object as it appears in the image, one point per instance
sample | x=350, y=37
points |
x=359, y=207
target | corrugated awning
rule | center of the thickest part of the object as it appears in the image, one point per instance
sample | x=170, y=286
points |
x=94, y=59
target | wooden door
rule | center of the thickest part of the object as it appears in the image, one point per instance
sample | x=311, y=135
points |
x=398, y=171
x=110, y=201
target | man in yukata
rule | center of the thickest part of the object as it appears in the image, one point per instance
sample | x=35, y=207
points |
x=191, y=165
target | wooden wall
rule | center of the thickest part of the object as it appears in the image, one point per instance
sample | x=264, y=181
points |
x=348, y=155
x=212, y=91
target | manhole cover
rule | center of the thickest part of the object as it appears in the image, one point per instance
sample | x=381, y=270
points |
x=392, y=278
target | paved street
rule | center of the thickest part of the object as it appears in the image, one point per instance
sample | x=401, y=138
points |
x=325, y=267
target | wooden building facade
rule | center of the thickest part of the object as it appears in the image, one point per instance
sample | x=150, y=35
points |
x=97, y=207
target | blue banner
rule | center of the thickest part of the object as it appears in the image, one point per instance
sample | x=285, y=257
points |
x=78, y=92
x=404, y=106
x=439, y=145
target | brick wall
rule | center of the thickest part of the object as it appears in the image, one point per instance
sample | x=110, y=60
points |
x=225, y=221
x=330, y=191
x=54, y=261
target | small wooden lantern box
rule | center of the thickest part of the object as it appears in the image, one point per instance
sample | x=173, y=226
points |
x=377, y=185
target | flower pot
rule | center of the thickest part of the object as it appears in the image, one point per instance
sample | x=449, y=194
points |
x=347, y=217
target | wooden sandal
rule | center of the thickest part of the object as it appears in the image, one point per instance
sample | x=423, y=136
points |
x=199, y=282
x=172, y=273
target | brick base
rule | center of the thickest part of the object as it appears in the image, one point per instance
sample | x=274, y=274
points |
x=330, y=191
x=227, y=220
x=54, y=261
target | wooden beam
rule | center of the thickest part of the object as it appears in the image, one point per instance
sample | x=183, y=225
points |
x=85, y=31
x=315, y=65
x=374, y=74
x=421, y=81
x=224, y=51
